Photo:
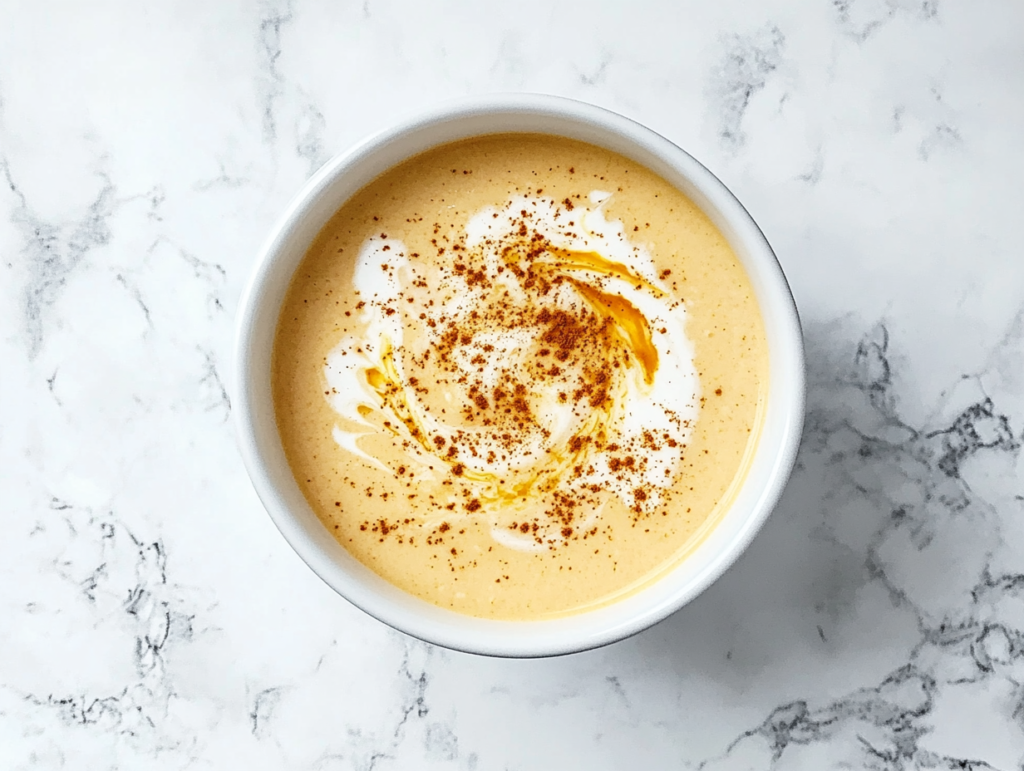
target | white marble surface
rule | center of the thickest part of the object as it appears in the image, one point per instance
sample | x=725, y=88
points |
x=152, y=617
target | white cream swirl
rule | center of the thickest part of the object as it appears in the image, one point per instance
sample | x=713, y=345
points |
x=536, y=364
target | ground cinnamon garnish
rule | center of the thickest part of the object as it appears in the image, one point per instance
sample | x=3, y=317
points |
x=579, y=353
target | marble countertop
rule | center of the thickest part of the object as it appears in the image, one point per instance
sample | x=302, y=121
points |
x=152, y=617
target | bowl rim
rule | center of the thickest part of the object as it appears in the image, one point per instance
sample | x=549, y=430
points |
x=378, y=598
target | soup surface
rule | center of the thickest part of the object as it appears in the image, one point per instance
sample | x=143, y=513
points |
x=519, y=376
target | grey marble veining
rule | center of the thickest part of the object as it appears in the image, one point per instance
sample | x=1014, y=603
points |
x=152, y=616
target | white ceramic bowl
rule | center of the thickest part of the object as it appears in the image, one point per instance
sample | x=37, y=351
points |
x=264, y=457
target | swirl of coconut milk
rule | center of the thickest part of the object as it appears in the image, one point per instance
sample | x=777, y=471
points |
x=537, y=362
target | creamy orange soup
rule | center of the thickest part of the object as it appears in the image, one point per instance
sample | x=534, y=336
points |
x=519, y=376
